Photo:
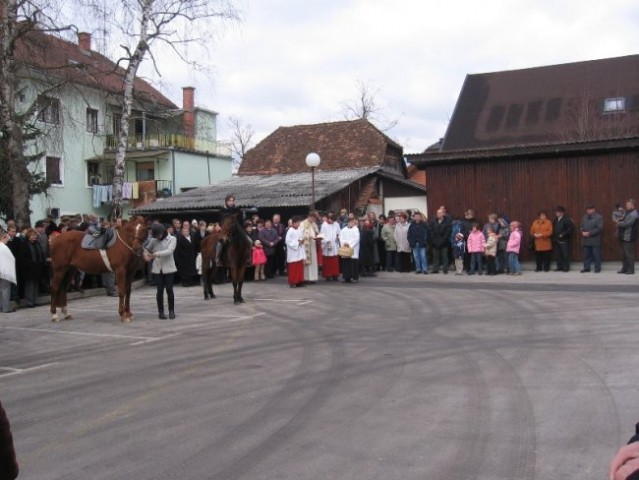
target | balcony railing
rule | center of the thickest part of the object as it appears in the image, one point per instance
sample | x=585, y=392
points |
x=171, y=140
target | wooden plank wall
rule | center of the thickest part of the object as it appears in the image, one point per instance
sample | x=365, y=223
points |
x=522, y=187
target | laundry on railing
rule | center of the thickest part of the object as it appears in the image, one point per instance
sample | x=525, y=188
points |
x=102, y=194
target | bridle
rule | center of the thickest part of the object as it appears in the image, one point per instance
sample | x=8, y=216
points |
x=137, y=230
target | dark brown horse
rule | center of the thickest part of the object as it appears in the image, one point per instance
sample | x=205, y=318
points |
x=124, y=258
x=235, y=257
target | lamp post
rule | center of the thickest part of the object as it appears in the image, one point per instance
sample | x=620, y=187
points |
x=313, y=160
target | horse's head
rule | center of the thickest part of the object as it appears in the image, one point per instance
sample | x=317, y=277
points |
x=135, y=232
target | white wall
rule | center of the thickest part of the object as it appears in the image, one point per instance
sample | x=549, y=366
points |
x=403, y=203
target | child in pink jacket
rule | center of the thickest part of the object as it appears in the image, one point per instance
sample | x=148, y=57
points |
x=513, y=247
x=259, y=260
x=475, y=246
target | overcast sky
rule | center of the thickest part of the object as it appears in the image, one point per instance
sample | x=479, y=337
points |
x=293, y=62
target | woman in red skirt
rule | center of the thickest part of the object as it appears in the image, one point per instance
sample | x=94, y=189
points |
x=330, y=244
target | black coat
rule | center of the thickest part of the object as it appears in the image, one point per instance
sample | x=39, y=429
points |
x=31, y=261
x=184, y=256
x=8, y=464
x=562, y=229
x=440, y=232
x=367, y=247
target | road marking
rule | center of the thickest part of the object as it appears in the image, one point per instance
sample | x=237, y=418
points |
x=299, y=302
x=83, y=334
x=18, y=371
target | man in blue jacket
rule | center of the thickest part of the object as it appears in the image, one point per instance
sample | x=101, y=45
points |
x=418, y=241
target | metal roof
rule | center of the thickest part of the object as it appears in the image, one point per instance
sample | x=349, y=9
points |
x=260, y=191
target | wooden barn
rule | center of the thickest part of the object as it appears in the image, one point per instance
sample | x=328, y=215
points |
x=528, y=140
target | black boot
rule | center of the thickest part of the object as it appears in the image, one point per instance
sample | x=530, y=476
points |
x=160, y=302
x=171, y=300
x=171, y=314
x=161, y=315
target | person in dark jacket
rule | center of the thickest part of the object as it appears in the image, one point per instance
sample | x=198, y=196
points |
x=8, y=464
x=31, y=262
x=562, y=229
x=367, y=246
x=440, y=230
x=418, y=241
x=185, y=255
x=229, y=210
x=591, y=228
x=270, y=240
x=627, y=233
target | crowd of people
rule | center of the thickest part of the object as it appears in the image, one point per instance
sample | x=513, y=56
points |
x=334, y=246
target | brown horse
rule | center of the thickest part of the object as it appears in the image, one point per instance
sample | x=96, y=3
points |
x=235, y=258
x=124, y=257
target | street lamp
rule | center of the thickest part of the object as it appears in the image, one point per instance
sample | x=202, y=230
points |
x=313, y=160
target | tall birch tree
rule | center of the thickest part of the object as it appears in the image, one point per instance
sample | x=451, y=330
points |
x=143, y=24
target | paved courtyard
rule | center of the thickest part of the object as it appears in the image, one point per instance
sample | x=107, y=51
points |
x=398, y=377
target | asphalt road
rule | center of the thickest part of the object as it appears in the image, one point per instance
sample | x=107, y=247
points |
x=398, y=377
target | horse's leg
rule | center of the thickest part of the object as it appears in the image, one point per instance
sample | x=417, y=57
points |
x=121, y=280
x=63, y=293
x=209, y=280
x=240, y=282
x=127, y=297
x=56, y=286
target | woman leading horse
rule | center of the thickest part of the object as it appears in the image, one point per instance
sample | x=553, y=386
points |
x=124, y=258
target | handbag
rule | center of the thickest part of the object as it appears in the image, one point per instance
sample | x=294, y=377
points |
x=346, y=252
x=531, y=244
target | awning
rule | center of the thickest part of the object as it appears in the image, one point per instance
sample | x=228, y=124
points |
x=142, y=154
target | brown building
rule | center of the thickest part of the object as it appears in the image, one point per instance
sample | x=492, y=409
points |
x=528, y=140
x=361, y=169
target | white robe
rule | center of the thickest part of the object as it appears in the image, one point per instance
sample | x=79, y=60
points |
x=7, y=264
x=294, y=250
x=330, y=242
x=311, y=265
x=351, y=236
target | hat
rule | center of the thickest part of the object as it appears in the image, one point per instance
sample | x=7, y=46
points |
x=157, y=229
x=590, y=205
x=560, y=209
x=39, y=223
x=257, y=242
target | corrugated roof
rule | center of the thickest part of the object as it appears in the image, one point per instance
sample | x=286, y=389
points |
x=279, y=190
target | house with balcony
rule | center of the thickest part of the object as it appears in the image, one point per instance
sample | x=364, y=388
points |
x=170, y=149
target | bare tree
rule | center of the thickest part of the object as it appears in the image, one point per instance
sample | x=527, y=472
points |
x=19, y=20
x=241, y=139
x=366, y=105
x=143, y=24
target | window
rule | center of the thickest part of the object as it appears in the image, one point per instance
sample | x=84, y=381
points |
x=117, y=120
x=54, y=170
x=92, y=120
x=93, y=173
x=49, y=110
x=612, y=105
x=144, y=171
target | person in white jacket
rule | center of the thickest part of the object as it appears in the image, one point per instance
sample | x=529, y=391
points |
x=349, y=237
x=160, y=249
x=7, y=273
x=295, y=253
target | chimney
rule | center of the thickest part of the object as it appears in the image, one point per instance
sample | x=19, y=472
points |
x=84, y=41
x=188, y=106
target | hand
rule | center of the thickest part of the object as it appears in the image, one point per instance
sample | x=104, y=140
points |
x=625, y=462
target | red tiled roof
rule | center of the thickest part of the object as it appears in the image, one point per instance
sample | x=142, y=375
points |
x=551, y=104
x=340, y=145
x=64, y=59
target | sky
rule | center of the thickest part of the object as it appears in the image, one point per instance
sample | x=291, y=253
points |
x=292, y=62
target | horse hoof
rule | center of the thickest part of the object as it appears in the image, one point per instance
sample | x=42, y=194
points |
x=236, y=302
x=68, y=317
x=241, y=300
x=55, y=319
x=125, y=319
